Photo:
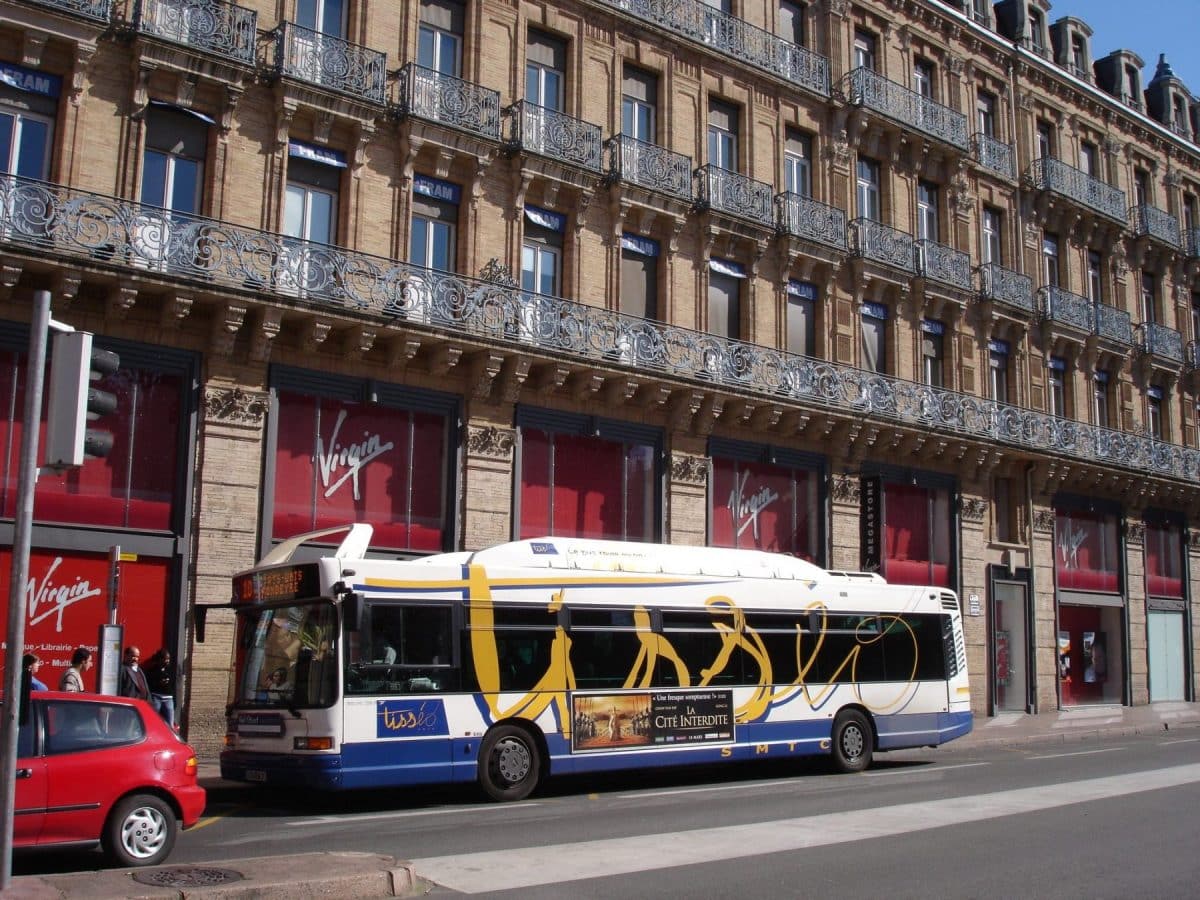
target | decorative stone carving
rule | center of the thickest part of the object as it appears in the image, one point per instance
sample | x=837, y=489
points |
x=1043, y=521
x=234, y=406
x=689, y=469
x=490, y=441
x=1135, y=533
x=1194, y=538
x=974, y=509
x=847, y=489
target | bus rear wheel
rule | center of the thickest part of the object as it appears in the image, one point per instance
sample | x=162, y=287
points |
x=852, y=741
x=509, y=763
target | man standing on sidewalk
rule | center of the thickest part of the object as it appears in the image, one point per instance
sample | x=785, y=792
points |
x=133, y=679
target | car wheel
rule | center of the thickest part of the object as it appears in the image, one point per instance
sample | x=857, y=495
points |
x=140, y=831
x=852, y=741
x=509, y=763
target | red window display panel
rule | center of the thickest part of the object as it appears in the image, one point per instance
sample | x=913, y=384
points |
x=916, y=535
x=134, y=486
x=67, y=601
x=763, y=507
x=1085, y=557
x=1164, y=561
x=582, y=486
x=339, y=462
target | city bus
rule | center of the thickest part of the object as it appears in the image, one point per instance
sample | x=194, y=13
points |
x=566, y=656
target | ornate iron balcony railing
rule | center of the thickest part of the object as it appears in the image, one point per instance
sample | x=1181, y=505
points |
x=881, y=243
x=1159, y=340
x=436, y=97
x=1049, y=174
x=699, y=22
x=804, y=217
x=548, y=132
x=1006, y=286
x=330, y=62
x=1065, y=308
x=1132, y=100
x=735, y=194
x=214, y=26
x=994, y=155
x=1152, y=222
x=944, y=264
x=649, y=166
x=96, y=10
x=1114, y=324
x=865, y=87
x=121, y=235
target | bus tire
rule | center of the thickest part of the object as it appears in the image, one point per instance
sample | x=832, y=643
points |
x=853, y=741
x=509, y=763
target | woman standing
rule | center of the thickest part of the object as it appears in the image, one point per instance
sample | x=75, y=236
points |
x=72, y=679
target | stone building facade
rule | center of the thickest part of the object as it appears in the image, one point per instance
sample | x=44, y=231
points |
x=905, y=285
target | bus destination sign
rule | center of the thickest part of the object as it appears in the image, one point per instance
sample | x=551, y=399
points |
x=280, y=584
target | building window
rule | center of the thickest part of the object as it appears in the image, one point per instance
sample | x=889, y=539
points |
x=1133, y=91
x=1045, y=140
x=991, y=226
x=923, y=78
x=1141, y=188
x=802, y=317
x=1164, y=560
x=1037, y=38
x=322, y=16
x=985, y=110
x=1149, y=298
x=434, y=224
x=639, y=101
x=1050, y=260
x=1087, y=547
x=724, y=298
x=25, y=144
x=639, y=276
x=1079, y=56
x=1095, y=277
x=545, y=71
x=723, y=135
x=1179, y=120
x=1191, y=213
x=541, y=252
x=311, y=207
x=917, y=540
x=1004, y=517
x=439, y=37
x=864, y=50
x=172, y=178
x=791, y=21
x=933, y=353
x=763, y=505
x=1154, y=413
x=868, y=189
x=1056, y=392
x=998, y=370
x=1100, y=399
x=1088, y=159
x=1196, y=316
x=797, y=163
x=927, y=211
x=874, y=337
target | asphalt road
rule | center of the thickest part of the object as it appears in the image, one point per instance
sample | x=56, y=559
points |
x=1113, y=817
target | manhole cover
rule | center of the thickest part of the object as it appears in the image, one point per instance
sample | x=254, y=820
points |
x=187, y=876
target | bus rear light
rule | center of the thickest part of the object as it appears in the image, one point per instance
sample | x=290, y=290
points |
x=313, y=743
x=230, y=740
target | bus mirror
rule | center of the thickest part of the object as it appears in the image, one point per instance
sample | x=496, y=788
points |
x=352, y=611
x=201, y=621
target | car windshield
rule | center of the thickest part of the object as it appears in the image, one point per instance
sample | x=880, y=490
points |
x=285, y=656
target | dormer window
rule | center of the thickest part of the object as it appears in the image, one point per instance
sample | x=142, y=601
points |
x=1078, y=55
x=1132, y=88
x=1179, y=117
x=1037, y=26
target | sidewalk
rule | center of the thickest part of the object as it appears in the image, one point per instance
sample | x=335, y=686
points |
x=367, y=875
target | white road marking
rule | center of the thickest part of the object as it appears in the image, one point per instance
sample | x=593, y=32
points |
x=923, y=771
x=1077, y=753
x=716, y=787
x=522, y=867
x=1180, y=741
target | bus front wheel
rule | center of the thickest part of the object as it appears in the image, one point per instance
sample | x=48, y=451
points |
x=509, y=763
x=852, y=741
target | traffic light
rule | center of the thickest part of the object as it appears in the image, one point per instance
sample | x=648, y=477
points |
x=74, y=401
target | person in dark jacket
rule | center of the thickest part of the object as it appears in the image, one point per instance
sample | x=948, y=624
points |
x=133, y=680
x=160, y=675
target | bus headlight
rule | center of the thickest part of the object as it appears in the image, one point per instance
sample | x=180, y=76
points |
x=312, y=743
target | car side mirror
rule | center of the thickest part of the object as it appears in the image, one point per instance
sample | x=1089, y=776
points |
x=352, y=611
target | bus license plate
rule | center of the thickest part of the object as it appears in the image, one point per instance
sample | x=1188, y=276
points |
x=256, y=775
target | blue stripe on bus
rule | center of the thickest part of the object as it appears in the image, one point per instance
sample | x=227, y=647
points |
x=322, y=772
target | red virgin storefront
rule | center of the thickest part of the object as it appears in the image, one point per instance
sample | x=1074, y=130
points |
x=135, y=498
x=343, y=450
x=909, y=527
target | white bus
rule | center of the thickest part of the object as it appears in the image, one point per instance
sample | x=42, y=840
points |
x=562, y=655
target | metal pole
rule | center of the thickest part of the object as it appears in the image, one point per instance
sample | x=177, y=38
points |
x=27, y=482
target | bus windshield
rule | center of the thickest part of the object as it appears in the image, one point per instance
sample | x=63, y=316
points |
x=286, y=656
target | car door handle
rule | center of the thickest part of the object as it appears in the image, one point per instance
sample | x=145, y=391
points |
x=24, y=773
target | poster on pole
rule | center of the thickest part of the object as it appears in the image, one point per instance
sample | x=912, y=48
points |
x=108, y=678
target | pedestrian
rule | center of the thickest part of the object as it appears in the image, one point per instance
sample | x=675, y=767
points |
x=31, y=662
x=72, y=679
x=133, y=679
x=160, y=676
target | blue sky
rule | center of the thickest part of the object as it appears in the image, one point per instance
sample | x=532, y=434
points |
x=1147, y=27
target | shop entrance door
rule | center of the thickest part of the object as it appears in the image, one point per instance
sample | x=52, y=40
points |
x=1164, y=638
x=1010, y=682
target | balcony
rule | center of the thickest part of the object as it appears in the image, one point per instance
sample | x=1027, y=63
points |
x=212, y=26
x=1158, y=340
x=811, y=220
x=95, y=10
x=908, y=108
x=882, y=244
x=937, y=262
x=1007, y=287
x=105, y=233
x=1114, y=324
x=1064, y=308
x=730, y=36
x=435, y=97
x=1057, y=177
x=655, y=168
x=555, y=135
x=995, y=156
x=736, y=195
x=331, y=63
x=1154, y=223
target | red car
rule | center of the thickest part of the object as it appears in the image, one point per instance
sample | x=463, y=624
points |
x=93, y=768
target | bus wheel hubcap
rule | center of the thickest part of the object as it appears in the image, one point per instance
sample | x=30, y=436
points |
x=512, y=760
x=852, y=742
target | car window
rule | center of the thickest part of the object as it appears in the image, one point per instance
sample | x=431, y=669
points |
x=72, y=727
